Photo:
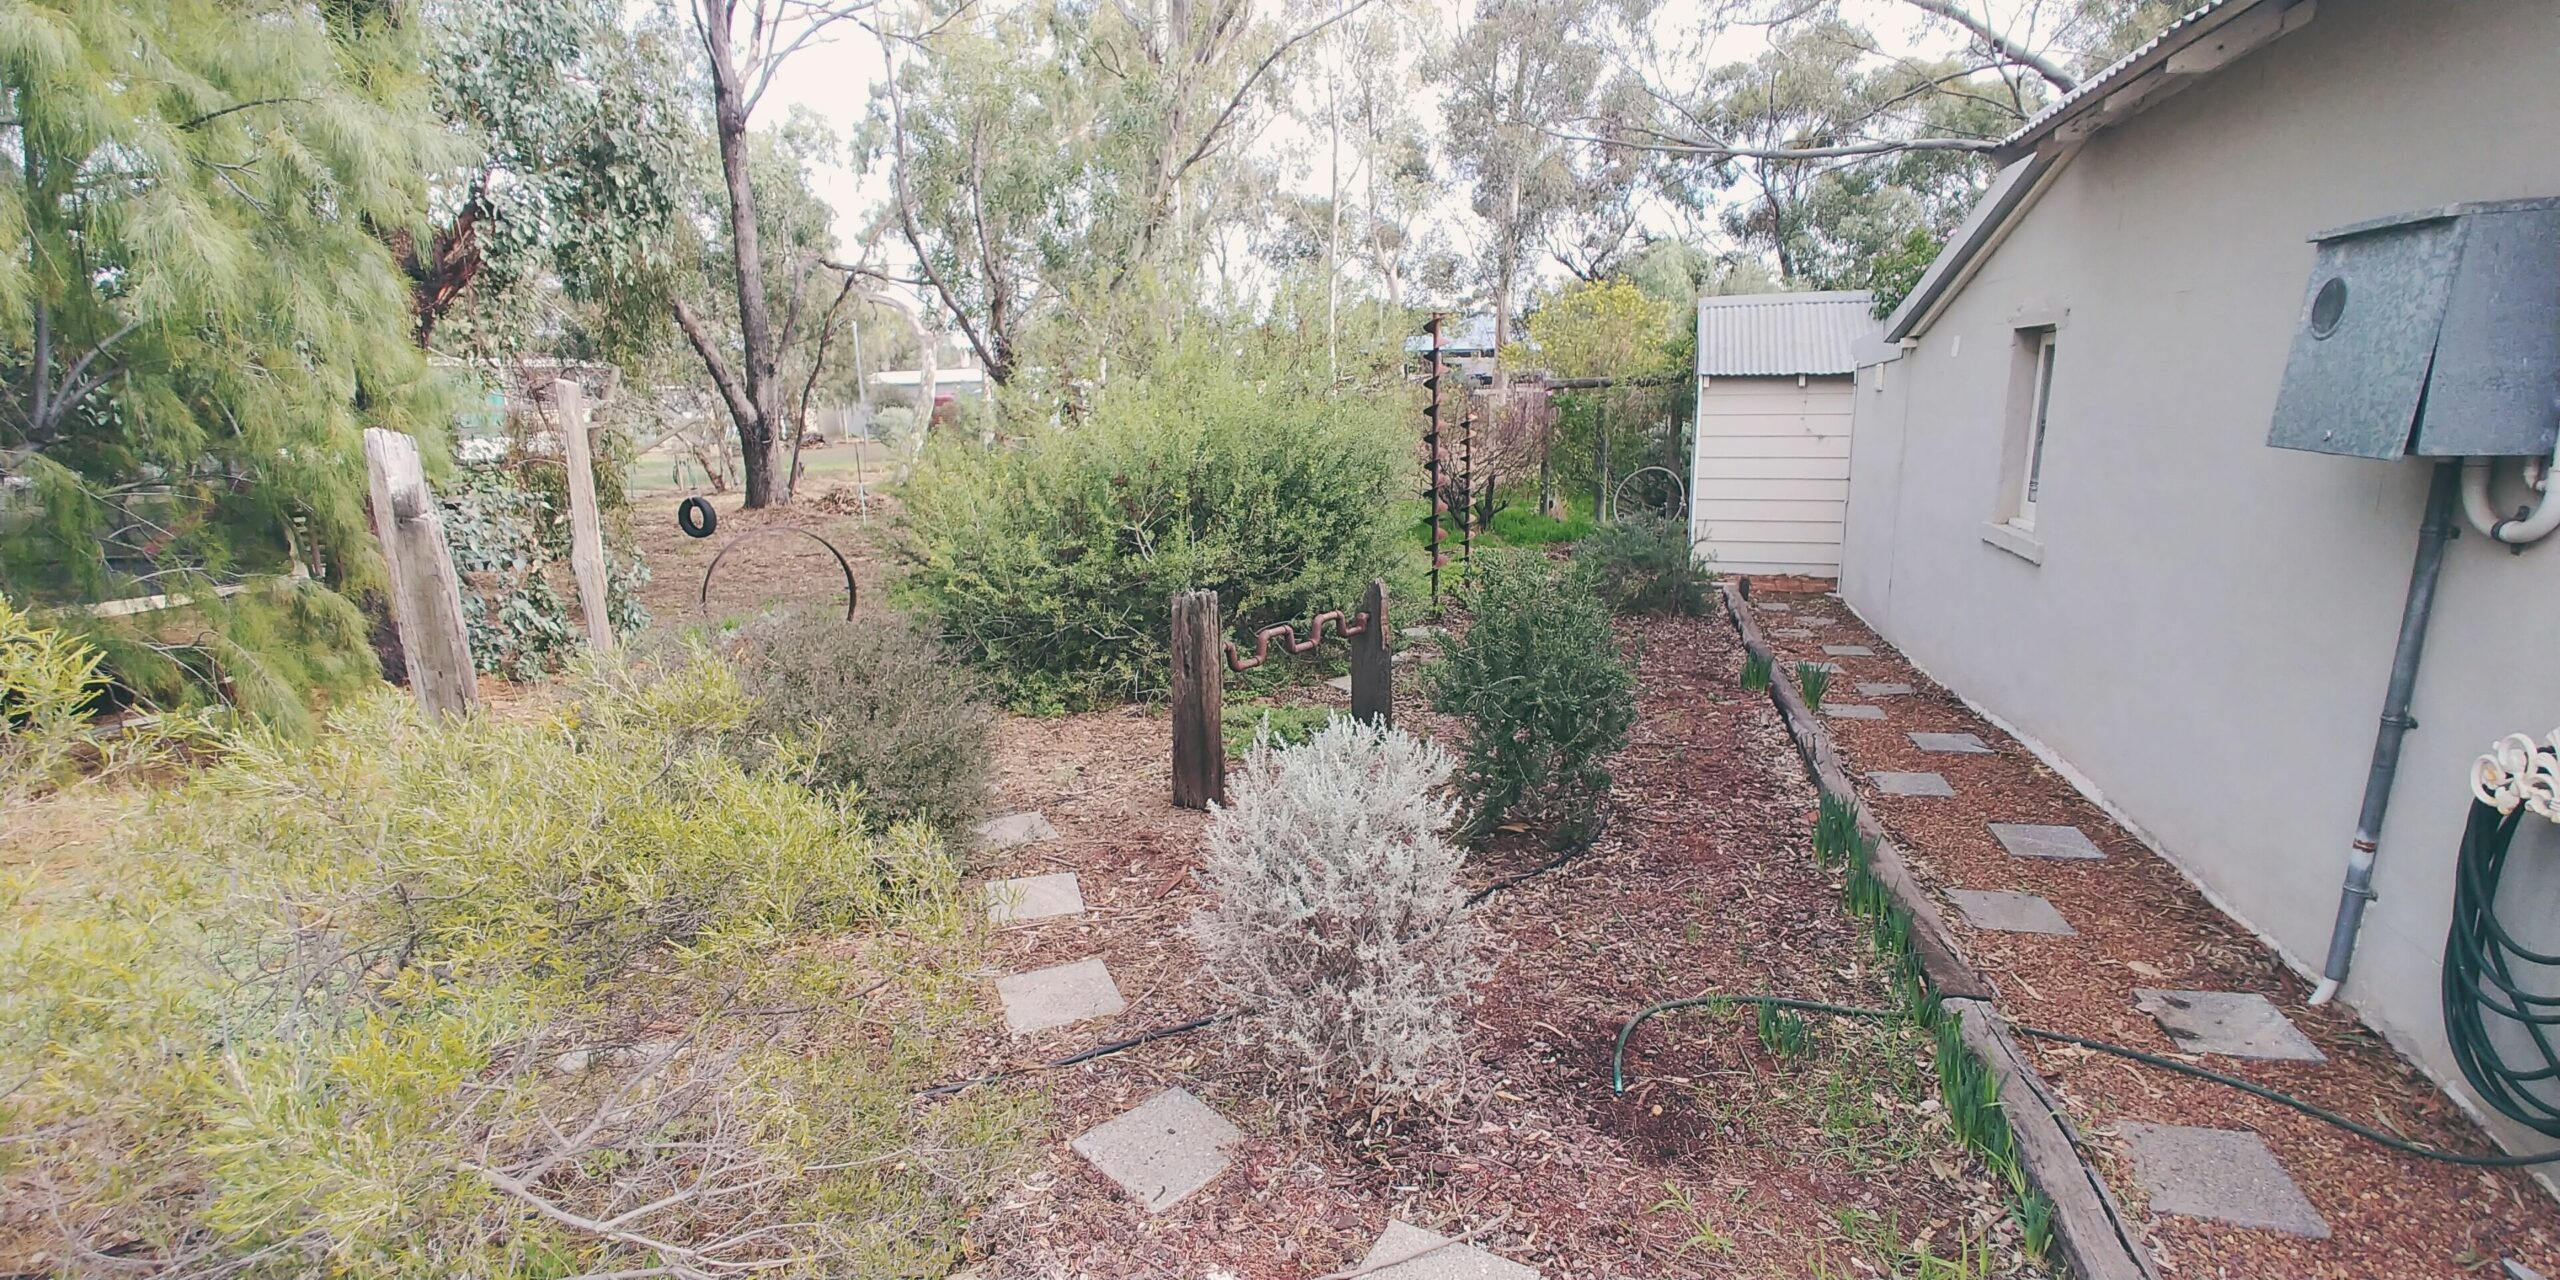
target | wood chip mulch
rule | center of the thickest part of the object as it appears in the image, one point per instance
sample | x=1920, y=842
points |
x=2142, y=923
x=1721, y=1160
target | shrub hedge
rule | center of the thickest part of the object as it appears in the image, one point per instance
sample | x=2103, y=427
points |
x=1052, y=565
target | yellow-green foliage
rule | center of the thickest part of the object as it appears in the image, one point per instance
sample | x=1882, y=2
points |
x=422, y=1000
x=46, y=681
x=1598, y=329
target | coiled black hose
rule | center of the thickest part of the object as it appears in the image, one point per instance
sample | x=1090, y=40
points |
x=2488, y=984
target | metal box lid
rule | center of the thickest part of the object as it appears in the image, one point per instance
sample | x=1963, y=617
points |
x=2433, y=333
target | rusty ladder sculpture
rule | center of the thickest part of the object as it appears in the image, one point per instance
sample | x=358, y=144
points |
x=1202, y=655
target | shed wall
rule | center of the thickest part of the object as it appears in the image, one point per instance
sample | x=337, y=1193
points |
x=1769, y=481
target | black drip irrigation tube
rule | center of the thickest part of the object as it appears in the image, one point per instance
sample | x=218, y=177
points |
x=949, y=1088
x=1618, y=1071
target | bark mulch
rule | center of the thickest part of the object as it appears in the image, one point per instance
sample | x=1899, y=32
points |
x=2142, y=923
x=1723, y=1159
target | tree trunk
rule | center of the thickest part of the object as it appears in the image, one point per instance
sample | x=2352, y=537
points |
x=755, y=322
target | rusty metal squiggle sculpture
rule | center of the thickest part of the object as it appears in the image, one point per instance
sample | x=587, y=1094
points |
x=1287, y=634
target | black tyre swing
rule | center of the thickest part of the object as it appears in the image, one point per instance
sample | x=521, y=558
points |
x=696, y=518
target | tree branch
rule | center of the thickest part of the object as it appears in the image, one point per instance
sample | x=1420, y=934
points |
x=2000, y=43
x=211, y=116
x=1841, y=151
x=740, y=410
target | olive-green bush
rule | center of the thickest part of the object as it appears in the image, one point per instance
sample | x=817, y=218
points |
x=870, y=704
x=1645, y=564
x=1052, y=565
x=1545, y=695
x=485, y=998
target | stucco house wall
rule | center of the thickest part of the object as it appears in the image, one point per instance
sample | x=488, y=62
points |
x=2201, y=626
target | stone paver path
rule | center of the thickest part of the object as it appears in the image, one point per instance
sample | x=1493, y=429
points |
x=1026, y=898
x=1792, y=633
x=1816, y=620
x=1953, y=744
x=1852, y=711
x=2236, y=1023
x=2008, y=911
x=1848, y=651
x=1445, y=1261
x=1162, y=1150
x=1883, y=688
x=1911, y=784
x=1057, y=996
x=2227, y=1175
x=2036, y=840
x=1014, y=830
x=1776, y=606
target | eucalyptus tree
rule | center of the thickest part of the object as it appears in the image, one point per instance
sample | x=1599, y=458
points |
x=198, y=314
x=1070, y=166
x=581, y=132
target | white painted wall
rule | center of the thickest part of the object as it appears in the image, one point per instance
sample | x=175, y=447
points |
x=2206, y=635
x=1769, y=481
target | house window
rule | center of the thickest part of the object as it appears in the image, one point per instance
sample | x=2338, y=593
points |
x=2031, y=392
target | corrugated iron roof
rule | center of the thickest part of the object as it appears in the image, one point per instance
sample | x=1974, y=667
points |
x=2192, y=26
x=1782, y=334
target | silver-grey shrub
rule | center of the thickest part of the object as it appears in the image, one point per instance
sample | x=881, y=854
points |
x=1340, y=926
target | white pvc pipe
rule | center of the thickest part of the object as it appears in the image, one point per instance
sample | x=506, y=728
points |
x=2477, y=506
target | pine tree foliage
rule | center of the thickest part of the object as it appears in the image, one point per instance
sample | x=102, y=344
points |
x=198, y=316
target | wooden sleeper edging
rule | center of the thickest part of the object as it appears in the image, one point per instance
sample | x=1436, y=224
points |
x=2090, y=1227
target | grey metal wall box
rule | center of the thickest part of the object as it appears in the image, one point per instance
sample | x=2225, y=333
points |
x=2433, y=333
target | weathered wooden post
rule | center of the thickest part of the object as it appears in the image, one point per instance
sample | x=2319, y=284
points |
x=426, y=594
x=1373, y=666
x=586, y=531
x=1199, y=689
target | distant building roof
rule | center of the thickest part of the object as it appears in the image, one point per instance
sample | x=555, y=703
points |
x=1461, y=335
x=1782, y=334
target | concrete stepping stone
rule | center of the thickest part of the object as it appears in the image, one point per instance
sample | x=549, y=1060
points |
x=1911, y=784
x=1444, y=1262
x=1951, y=744
x=1816, y=620
x=1034, y=898
x=2035, y=840
x=1161, y=1150
x=1882, y=688
x=2226, y=1175
x=1013, y=830
x=2007, y=911
x=1342, y=682
x=1791, y=633
x=1852, y=711
x=1056, y=996
x=1848, y=651
x=2239, y=1024
x=1774, y=606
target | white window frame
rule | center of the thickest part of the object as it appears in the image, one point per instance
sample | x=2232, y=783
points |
x=2039, y=408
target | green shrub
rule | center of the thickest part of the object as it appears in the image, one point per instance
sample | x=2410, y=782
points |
x=1053, y=565
x=870, y=704
x=1645, y=564
x=1241, y=722
x=415, y=999
x=46, y=682
x=1538, y=678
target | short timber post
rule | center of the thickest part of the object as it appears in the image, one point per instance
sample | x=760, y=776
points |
x=586, y=533
x=1199, y=689
x=1373, y=661
x=426, y=595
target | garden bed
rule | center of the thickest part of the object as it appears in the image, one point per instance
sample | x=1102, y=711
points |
x=2141, y=924
x=1723, y=1156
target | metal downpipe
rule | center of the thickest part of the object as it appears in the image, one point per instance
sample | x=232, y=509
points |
x=2434, y=531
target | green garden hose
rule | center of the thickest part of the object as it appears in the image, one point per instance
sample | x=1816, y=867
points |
x=2484, y=968
x=1618, y=1072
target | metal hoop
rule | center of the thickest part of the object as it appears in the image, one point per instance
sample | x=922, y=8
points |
x=1676, y=482
x=852, y=593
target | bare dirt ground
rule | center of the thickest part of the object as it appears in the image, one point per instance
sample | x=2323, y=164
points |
x=1721, y=1160
x=764, y=566
x=2143, y=924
